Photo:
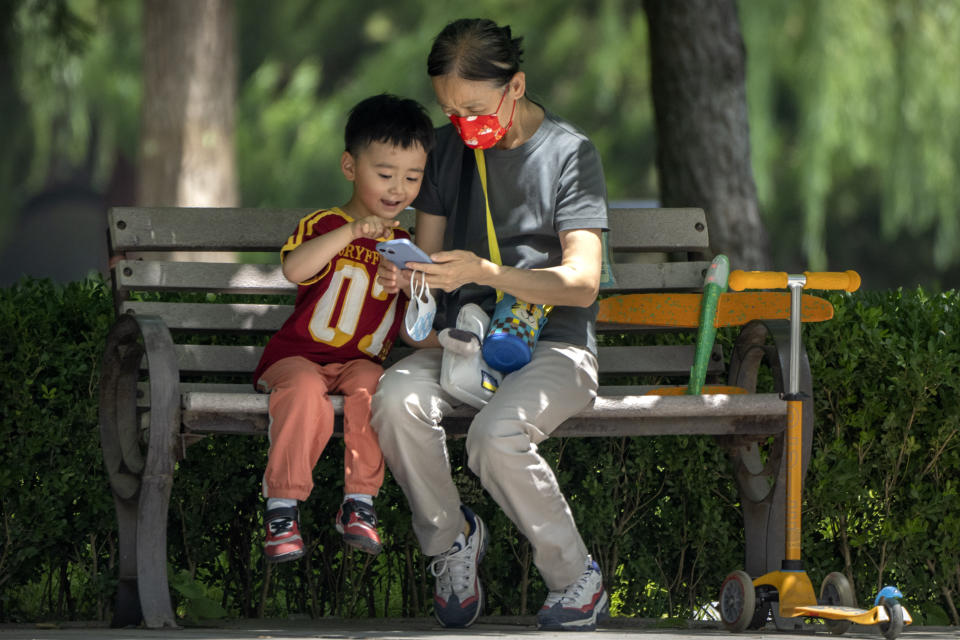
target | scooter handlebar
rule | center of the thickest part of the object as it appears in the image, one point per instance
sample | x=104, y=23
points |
x=740, y=280
x=832, y=280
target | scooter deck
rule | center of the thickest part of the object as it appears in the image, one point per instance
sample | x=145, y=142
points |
x=875, y=615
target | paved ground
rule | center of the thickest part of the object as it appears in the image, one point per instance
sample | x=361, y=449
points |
x=423, y=628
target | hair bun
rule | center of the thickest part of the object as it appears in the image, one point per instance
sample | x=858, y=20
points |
x=517, y=49
x=514, y=43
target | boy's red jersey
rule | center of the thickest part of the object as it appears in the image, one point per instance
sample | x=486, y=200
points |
x=342, y=313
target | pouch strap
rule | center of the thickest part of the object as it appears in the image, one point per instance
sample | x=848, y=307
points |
x=491, y=231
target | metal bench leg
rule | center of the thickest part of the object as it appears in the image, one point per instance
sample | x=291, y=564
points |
x=154, y=592
x=127, y=612
x=141, y=484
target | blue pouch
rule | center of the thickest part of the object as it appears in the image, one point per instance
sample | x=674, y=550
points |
x=514, y=330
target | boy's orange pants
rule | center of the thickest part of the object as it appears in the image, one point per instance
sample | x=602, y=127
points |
x=301, y=423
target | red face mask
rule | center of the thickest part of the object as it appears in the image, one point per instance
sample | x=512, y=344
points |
x=482, y=132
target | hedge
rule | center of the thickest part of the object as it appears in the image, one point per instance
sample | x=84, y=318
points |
x=660, y=514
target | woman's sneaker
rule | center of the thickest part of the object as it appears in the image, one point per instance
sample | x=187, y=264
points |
x=458, y=594
x=283, y=542
x=357, y=522
x=579, y=606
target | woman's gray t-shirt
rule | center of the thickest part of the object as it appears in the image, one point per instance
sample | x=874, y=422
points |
x=551, y=183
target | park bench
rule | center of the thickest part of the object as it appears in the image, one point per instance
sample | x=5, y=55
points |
x=161, y=391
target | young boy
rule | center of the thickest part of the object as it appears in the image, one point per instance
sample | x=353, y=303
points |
x=342, y=327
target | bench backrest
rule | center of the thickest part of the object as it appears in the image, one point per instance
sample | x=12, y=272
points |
x=218, y=338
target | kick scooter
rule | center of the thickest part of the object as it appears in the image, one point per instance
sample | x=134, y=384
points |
x=744, y=602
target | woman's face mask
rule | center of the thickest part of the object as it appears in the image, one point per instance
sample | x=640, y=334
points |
x=482, y=132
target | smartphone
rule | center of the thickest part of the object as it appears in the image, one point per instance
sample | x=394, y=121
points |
x=402, y=251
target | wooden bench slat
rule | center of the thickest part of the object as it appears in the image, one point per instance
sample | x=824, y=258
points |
x=218, y=277
x=668, y=360
x=267, y=318
x=228, y=392
x=243, y=388
x=243, y=229
x=265, y=279
x=661, y=230
x=218, y=318
x=201, y=229
x=658, y=276
x=193, y=358
x=620, y=415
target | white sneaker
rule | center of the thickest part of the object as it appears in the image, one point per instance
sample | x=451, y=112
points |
x=458, y=594
x=579, y=606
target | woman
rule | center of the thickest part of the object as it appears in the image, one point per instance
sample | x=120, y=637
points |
x=548, y=203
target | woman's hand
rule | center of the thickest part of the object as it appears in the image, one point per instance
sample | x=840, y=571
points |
x=573, y=283
x=453, y=269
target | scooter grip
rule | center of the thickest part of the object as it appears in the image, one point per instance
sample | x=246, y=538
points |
x=832, y=280
x=740, y=280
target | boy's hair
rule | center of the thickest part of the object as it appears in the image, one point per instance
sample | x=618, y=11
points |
x=388, y=118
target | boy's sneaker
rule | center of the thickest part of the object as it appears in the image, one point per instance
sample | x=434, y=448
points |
x=579, y=606
x=457, y=594
x=357, y=522
x=283, y=542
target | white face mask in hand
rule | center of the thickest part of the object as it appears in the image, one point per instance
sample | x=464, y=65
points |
x=421, y=310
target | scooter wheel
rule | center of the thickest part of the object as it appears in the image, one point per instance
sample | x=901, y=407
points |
x=737, y=601
x=836, y=591
x=892, y=628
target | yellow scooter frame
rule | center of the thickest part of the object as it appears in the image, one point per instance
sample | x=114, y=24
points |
x=790, y=588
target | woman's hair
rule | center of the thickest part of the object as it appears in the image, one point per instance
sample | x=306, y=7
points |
x=475, y=49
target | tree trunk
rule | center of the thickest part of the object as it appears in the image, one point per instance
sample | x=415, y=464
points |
x=698, y=62
x=187, y=155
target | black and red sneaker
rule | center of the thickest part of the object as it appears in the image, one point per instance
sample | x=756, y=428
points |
x=283, y=542
x=357, y=521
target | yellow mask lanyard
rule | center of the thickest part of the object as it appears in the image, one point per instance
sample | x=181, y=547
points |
x=491, y=232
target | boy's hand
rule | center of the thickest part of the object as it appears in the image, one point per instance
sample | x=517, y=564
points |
x=392, y=278
x=373, y=227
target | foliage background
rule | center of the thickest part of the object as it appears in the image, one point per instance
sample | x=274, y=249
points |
x=660, y=514
x=855, y=135
x=854, y=109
